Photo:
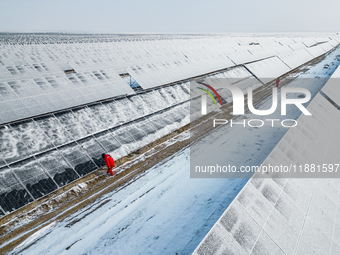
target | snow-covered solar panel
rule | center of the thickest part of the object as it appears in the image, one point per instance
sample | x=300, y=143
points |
x=297, y=46
x=57, y=167
x=312, y=141
x=270, y=212
x=33, y=176
x=77, y=158
x=35, y=85
x=111, y=144
x=138, y=134
x=296, y=58
x=53, y=129
x=12, y=148
x=93, y=149
x=72, y=123
x=309, y=42
x=316, y=51
x=333, y=42
x=268, y=68
x=17, y=103
x=286, y=40
x=326, y=46
x=144, y=125
x=321, y=39
x=241, y=56
x=13, y=195
x=122, y=135
x=259, y=52
x=158, y=124
x=170, y=119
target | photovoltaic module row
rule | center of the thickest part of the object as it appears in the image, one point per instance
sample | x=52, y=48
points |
x=42, y=154
x=42, y=77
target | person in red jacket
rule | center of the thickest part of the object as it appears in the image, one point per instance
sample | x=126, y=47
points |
x=277, y=82
x=109, y=162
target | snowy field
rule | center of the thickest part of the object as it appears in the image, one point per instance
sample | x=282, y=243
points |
x=165, y=211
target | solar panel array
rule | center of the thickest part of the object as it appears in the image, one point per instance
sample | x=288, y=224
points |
x=32, y=67
x=45, y=152
x=41, y=154
x=281, y=215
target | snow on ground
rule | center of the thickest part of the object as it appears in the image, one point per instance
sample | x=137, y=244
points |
x=164, y=211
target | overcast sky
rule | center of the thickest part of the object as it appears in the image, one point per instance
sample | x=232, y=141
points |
x=174, y=16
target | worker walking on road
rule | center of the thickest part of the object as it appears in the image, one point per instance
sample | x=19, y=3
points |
x=109, y=162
